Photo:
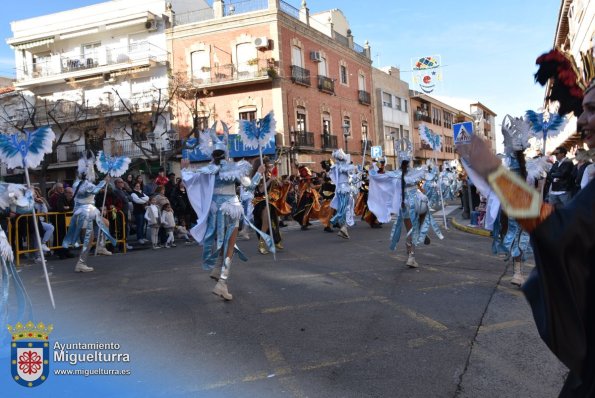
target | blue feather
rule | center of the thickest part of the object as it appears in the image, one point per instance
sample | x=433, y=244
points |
x=114, y=166
x=257, y=133
x=27, y=151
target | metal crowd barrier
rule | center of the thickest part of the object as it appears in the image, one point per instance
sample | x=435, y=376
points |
x=23, y=239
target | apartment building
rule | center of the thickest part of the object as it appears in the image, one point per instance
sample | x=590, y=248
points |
x=439, y=117
x=392, y=110
x=105, y=66
x=247, y=58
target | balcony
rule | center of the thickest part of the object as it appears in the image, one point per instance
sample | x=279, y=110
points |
x=229, y=75
x=329, y=141
x=326, y=85
x=97, y=63
x=364, y=97
x=420, y=117
x=304, y=139
x=300, y=75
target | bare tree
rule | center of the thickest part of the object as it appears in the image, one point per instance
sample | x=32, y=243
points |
x=25, y=111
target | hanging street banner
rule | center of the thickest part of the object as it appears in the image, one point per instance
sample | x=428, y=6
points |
x=426, y=72
x=463, y=132
x=192, y=151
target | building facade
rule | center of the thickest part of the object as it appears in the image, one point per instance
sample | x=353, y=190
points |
x=267, y=55
x=392, y=110
x=104, y=69
x=439, y=117
x=484, y=122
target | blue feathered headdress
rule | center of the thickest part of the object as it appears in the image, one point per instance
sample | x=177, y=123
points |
x=115, y=166
x=26, y=150
x=545, y=128
x=257, y=133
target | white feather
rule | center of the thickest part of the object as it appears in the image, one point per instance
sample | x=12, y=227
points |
x=5, y=248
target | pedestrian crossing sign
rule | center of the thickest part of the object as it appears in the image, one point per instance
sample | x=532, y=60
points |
x=376, y=151
x=463, y=132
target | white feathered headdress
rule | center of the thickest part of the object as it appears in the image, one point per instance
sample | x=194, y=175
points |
x=210, y=141
x=404, y=150
x=86, y=165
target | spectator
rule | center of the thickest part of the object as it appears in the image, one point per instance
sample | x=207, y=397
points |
x=560, y=178
x=149, y=188
x=57, y=191
x=160, y=201
x=47, y=230
x=152, y=218
x=139, y=202
x=582, y=157
x=161, y=178
x=170, y=185
x=168, y=224
x=124, y=200
x=64, y=204
x=130, y=180
x=139, y=180
x=181, y=204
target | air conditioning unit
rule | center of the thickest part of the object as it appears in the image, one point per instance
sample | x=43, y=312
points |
x=315, y=56
x=261, y=42
x=151, y=25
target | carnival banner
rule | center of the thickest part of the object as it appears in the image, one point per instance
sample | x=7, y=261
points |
x=426, y=72
x=237, y=149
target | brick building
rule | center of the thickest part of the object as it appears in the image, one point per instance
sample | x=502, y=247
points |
x=243, y=59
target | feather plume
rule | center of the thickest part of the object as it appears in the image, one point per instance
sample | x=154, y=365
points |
x=257, y=132
x=543, y=129
x=114, y=166
x=516, y=133
x=428, y=136
x=28, y=150
x=208, y=139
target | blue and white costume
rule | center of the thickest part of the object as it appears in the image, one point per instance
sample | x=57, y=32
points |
x=212, y=194
x=343, y=175
x=85, y=213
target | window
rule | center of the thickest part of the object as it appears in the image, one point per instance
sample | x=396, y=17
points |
x=343, y=74
x=436, y=116
x=322, y=67
x=248, y=114
x=364, y=130
x=346, y=126
x=398, y=103
x=387, y=100
x=245, y=52
x=90, y=51
x=301, y=120
x=296, y=56
x=326, y=124
x=406, y=134
x=201, y=64
x=405, y=106
x=361, y=82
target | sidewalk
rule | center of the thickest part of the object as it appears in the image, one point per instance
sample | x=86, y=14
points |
x=457, y=221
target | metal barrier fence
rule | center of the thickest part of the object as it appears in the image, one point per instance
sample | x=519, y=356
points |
x=23, y=240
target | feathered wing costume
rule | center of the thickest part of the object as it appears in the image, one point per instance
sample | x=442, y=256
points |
x=26, y=150
x=342, y=173
x=12, y=196
x=395, y=193
x=212, y=194
x=85, y=213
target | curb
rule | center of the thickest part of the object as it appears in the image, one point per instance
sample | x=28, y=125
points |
x=470, y=230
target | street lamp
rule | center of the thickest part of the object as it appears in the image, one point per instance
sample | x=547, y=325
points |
x=346, y=128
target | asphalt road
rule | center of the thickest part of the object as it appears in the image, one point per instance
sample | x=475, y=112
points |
x=329, y=318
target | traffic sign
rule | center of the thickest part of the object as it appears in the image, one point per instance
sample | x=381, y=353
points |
x=376, y=151
x=463, y=132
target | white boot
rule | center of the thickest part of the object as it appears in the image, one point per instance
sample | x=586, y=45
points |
x=411, y=261
x=101, y=250
x=517, y=276
x=82, y=267
x=343, y=232
x=221, y=290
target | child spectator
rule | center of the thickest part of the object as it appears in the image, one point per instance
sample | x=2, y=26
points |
x=152, y=217
x=168, y=223
x=182, y=233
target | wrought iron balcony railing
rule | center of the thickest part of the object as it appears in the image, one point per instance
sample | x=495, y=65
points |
x=364, y=97
x=300, y=75
x=329, y=141
x=326, y=85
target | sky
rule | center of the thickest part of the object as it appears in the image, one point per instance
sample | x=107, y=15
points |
x=488, y=48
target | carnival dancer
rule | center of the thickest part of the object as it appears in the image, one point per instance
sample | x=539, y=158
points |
x=277, y=192
x=341, y=173
x=212, y=193
x=396, y=192
x=427, y=220
x=85, y=213
x=327, y=193
x=361, y=203
x=308, y=200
